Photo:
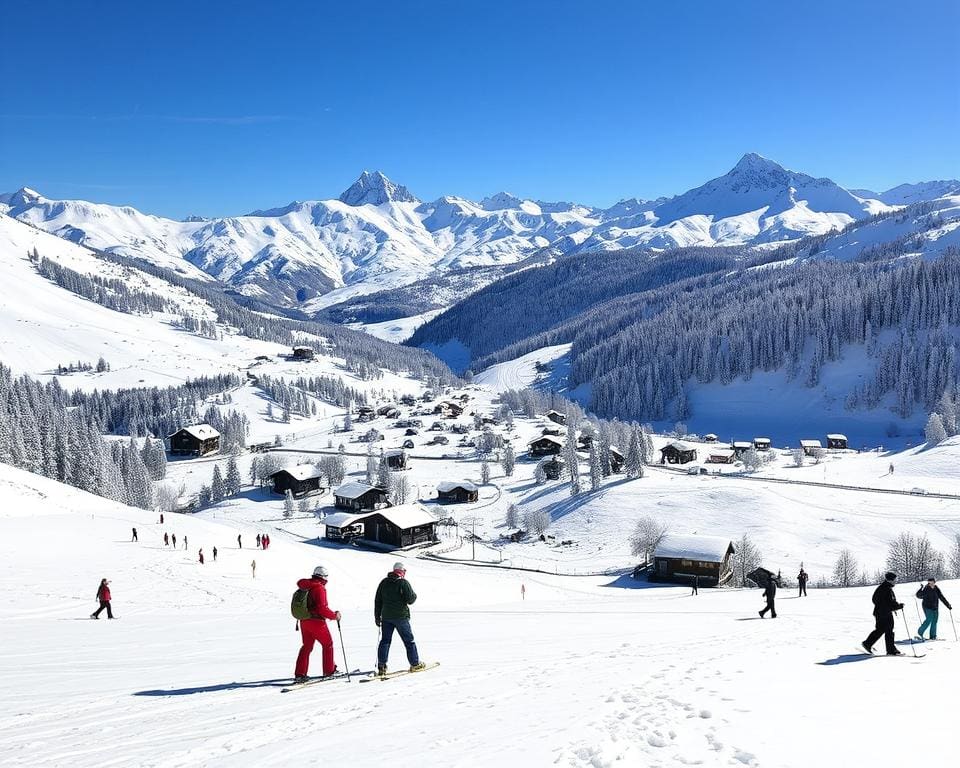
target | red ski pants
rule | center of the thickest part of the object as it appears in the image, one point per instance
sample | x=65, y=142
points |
x=315, y=631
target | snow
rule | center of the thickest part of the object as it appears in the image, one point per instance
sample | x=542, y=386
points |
x=521, y=372
x=690, y=547
x=352, y=490
x=447, y=485
x=407, y=515
x=302, y=471
x=200, y=431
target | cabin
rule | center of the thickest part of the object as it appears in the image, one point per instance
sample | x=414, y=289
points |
x=677, y=453
x=740, y=447
x=408, y=400
x=710, y=438
x=406, y=525
x=721, y=456
x=396, y=458
x=810, y=447
x=343, y=526
x=679, y=558
x=366, y=413
x=448, y=409
x=439, y=440
x=462, y=492
x=761, y=443
x=303, y=353
x=359, y=497
x=556, y=417
x=616, y=460
x=545, y=445
x=584, y=442
x=555, y=431
x=195, y=440
x=301, y=480
x=837, y=442
x=259, y=447
x=553, y=468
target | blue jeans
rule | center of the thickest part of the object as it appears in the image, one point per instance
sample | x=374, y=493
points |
x=406, y=634
x=931, y=622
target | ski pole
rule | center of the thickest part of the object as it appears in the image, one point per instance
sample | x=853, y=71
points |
x=954, y=625
x=906, y=627
x=342, y=648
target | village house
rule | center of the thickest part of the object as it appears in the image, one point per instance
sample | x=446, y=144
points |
x=448, y=409
x=679, y=558
x=710, y=438
x=810, y=447
x=761, y=443
x=301, y=480
x=462, y=492
x=344, y=527
x=721, y=456
x=837, y=442
x=556, y=417
x=303, y=353
x=677, y=453
x=399, y=527
x=545, y=445
x=195, y=440
x=396, y=458
x=740, y=447
x=365, y=413
x=616, y=460
x=359, y=497
x=553, y=468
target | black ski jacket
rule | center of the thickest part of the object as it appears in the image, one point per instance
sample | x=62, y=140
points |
x=884, y=601
x=932, y=597
x=771, y=591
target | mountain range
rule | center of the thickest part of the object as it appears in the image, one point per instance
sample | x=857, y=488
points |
x=378, y=235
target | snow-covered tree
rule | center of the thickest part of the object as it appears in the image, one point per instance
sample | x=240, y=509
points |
x=383, y=472
x=289, y=505
x=512, y=518
x=746, y=558
x=537, y=520
x=539, y=474
x=508, y=460
x=934, y=431
x=798, y=456
x=596, y=472
x=485, y=472
x=752, y=460
x=399, y=488
x=233, y=480
x=218, y=488
x=633, y=462
x=955, y=557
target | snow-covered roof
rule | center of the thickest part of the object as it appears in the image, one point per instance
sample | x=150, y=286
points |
x=407, y=515
x=678, y=445
x=446, y=486
x=352, y=490
x=836, y=437
x=300, y=472
x=343, y=519
x=810, y=444
x=548, y=438
x=199, y=431
x=710, y=435
x=712, y=549
x=725, y=452
x=742, y=444
x=761, y=439
x=394, y=452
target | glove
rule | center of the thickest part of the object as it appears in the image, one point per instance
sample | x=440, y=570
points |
x=338, y=615
x=899, y=606
x=377, y=622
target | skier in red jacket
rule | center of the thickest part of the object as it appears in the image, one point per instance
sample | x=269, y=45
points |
x=103, y=596
x=315, y=628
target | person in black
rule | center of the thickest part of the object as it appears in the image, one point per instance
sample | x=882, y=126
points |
x=134, y=535
x=802, y=581
x=239, y=542
x=770, y=592
x=932, y=597
x=884, y=606
x=695, y=581
x=214, y=554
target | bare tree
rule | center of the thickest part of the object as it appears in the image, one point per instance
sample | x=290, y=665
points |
x=647, y=535
x=818, y=454
x=746, y=558
x=846, y=571
x=537, y=520
x=512, y=519
x=798, y=456
x=400, y=489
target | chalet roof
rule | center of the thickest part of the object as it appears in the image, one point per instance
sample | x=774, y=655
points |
x=343, y=519
x=556, y=413
x=615, y=451
x=548, y=438
x=199, y=431
x=761, y=439
x=677, y=445
x=836, y=437
x=711, y=549
x=742, y=444
x=300, y=472
x=407, y=515
x=710, y=435
x=446, y=486
x=724, y=452
x=810, y=444
x=394, y=452
x=353, y=490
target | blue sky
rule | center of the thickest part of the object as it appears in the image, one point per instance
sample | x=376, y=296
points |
x=221, y=108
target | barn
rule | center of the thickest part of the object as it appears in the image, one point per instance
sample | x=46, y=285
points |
x=195, y=440
x=740, y=447
x=448, y=409
x=406, y=525
x=396, y=458
x=837, y=442
x=720, y=456
x=359, y=497
x=344, y=526
x=556, y=417
x=680, y=557
x=457, y=493
x=545, y=445
x=302, y=353
x=301, y=480
x=761, y=443
x=810, y=447
x=677, y=453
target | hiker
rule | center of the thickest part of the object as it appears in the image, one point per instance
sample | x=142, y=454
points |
x=201, y=555
x=884, y=606
x=103, y=595
x=258, y=541
x=695, y=582
x=239, y=543
x=214, y=554
x=314, y=629
x=134, y=535
x=184, y=541
x=166, y=539
x=264, y=541
x=253, y=568
x=173, y=538
x=802, y=581
x=932, y=597
x=770, y=592
x=391, y=611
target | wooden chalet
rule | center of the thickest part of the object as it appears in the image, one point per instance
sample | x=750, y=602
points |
x=556, y=417
x=359, y=497
x=584, y=442
x=545, y=445
x=195, y=440
x=679, y=558
x=366, y=413
x=303, y=353
x=344, y=526
x=301, y=480
x=740, y=447
x=810, y=447
x=408, y=400
x=710, y=438
x=761, y=443
x=448, y=409
x=396, y=458
x=837, y=442
x=616, y=460
x=406, y=525
x=721, y=456
x=677, y=453
x=462, y=492
x=553, y=468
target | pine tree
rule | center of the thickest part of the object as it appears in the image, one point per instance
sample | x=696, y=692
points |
x=633, y=462
x=218, y=488
x=233, y=480
x=596, y=471
x=508, y=460
x=934, y=431
x=383, y=473
x=288, y=503
x=485, y=472
x=371, y=469
x=512, y=519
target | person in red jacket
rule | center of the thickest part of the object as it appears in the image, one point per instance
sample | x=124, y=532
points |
x=103, y=595
x=314, y=629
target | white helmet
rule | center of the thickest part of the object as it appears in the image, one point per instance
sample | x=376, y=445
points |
x=320, y=572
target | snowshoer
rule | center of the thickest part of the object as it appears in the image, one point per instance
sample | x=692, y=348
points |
x=103, y=595
x=134, y=535
x=184, y=541
x=161, y=518
x=884, y=606
x=770, y=592
x=932, y=597
x=802, y=581
x=391, y=612
x=214, y=554
x=314, y=629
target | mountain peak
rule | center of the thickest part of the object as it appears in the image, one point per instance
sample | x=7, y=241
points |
x=22, y=197
x=376, y=189
x=500, y=201
x=753, y=163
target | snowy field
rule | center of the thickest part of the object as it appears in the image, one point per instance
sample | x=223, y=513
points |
x=583, y=672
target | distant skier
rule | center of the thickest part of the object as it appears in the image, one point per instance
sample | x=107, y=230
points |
x=884, y=606
x=770, y=592
x=214, y=554
x=253, y=568
x=173, y=538
x=890, y=470
x=161, y=518
x=695, y=583
x=184, y=541
x=314, y=629
x=932, y=597
x=201, y=555
x=391, y=611
x=802, y=581
x=134, y=535
x=239, y=543
x=103, y=596
x=166, y=539
x=258, y=541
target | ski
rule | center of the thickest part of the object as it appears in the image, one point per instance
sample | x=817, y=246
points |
x=314, y=680
x=400, y=673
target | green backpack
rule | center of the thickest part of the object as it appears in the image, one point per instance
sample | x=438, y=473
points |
x=300, y=605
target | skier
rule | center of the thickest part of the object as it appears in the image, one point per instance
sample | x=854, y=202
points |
x=239, y=543
x=932, y=597
x=184, y=541
x=884, y=606
x=166, y=539
x=103, y=595
x=173, y=538
x=890, y=471
x=695, y=582
x=770, y=592
x=134, y=535
x=315, y=628
x=258, y=541
x=391, y=611
x=802, y=581
x=201, y=555
x=214, y=554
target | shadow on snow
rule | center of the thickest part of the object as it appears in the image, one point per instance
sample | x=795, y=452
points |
x=276, y=683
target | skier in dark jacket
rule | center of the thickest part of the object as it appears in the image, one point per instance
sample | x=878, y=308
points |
x=932, y=597
x=802, y=578
x=134, y=535
x=884, y=606
x=103, y=597
x=314, y=629
x=770, y=592
x=391, y=611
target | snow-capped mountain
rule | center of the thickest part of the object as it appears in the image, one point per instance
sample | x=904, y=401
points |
x=378, y=235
